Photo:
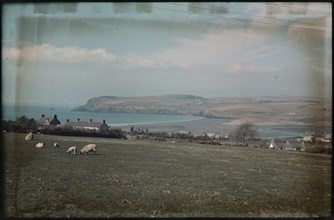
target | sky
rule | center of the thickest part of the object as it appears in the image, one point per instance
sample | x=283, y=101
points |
x=67, y=53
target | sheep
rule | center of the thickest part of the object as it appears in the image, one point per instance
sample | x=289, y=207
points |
x=72, y=150
x=88, y=148
x=56, y=145
x=30, y=136
x=40, y=145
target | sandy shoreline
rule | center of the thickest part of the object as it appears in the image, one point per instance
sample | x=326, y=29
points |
x=220, y=126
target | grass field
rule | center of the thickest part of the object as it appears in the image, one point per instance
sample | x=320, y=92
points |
x=145, y=178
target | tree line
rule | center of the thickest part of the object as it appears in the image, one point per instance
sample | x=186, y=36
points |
x=25, y=125
x=242, y=133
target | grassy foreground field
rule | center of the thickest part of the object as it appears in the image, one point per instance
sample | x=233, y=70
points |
x=161, y=179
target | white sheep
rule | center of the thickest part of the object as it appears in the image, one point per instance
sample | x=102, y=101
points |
x=88, y=148
x=30, y=136
x=40, y=145
x=56, y=145
x=72, y=150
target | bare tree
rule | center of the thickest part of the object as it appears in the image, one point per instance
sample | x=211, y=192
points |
x=245, y=131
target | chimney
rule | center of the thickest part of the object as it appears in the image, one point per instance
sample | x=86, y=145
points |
x=104, y=121
x=78, y=119
x=90, y=120
x=55, y=116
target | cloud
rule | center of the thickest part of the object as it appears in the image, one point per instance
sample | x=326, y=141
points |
x=234, y=68
x=226, y=49
x=50, y=53
x=238, y=68
x=215, y=49
x=136, y=61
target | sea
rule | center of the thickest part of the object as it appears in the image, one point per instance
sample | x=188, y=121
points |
x=124, y=120
x=11, y=112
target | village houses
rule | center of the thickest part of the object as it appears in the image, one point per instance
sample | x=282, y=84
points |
x=313, y=137
x=52, y=121
x=88, y=125
x=48, y=120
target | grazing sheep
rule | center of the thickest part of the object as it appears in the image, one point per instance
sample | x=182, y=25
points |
x=56, y=145
x=29, y=137
x=40, y=145
x=72, y=150
x=88, y=148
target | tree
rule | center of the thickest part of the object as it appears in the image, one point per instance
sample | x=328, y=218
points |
x=22, y=124
x=245, y=131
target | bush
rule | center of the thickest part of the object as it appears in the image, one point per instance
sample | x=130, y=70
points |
x=22, y=125
x=69, y=131
x=324, y=148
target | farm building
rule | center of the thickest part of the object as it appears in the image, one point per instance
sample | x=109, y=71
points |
x=285, y=146
x=88, y=125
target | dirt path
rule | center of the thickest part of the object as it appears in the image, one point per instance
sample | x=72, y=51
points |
x=162, y=179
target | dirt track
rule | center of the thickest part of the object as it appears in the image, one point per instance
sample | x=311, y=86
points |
x=162, y=179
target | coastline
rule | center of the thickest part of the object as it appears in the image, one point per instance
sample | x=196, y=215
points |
x=224, y=126
x=154, y=124
x=195, y=126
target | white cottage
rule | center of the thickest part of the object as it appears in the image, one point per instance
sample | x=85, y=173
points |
x=272, y=145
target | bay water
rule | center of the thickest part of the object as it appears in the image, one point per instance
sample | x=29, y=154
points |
x=123, y=120
x=63, y=113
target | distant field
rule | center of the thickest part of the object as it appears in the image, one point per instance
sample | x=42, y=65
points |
x=161, y=179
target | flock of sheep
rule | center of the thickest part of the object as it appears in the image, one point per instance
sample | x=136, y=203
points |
x=72, y=149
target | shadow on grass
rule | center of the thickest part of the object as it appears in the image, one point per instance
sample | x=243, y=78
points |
x=87, y=154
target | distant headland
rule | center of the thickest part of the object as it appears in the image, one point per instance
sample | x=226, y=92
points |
x=263, y=110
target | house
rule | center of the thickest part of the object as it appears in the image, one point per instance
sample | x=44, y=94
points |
x=213, y=135
x=309, y=136
x=48, y=120
x=328, y=138
x=55, y=121
x=272, y=145
x=209, y=135
x=319, y=138
x=88, y=125
x=184, y=132
x=285, y=146
x=324, y=138
x=44, y=120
